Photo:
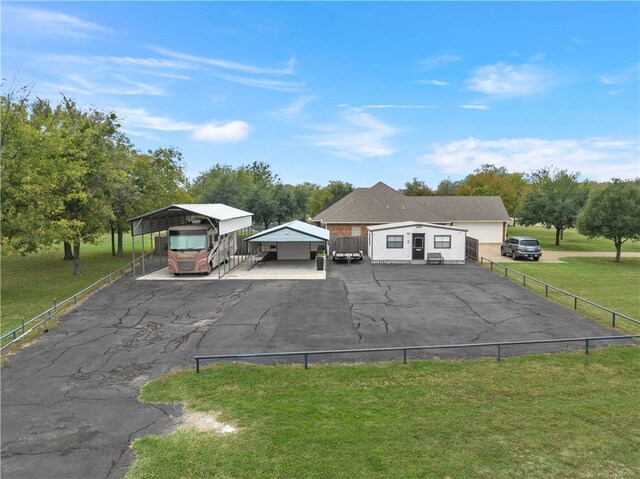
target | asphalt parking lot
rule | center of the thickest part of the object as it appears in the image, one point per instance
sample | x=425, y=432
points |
x=69, y=400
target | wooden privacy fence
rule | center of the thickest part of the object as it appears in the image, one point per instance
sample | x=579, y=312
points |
x=472, y=248
x=362, y=243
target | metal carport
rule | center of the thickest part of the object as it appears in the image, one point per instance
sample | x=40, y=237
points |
x=294, y=240
x=225, y=219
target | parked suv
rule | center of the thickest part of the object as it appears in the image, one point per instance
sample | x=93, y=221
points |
x=521, y=247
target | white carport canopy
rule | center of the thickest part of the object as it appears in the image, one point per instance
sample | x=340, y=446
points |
x=225, y=219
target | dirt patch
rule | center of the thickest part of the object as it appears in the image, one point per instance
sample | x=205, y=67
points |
x=206, y=422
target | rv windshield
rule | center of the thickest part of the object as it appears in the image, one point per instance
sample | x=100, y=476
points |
x=193, y=240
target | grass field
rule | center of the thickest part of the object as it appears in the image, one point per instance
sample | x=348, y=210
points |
x=600, y=280
x=551, y=416
x=573, y=241
x=31, y=283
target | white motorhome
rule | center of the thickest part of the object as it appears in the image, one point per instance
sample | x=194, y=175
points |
x=197, y=248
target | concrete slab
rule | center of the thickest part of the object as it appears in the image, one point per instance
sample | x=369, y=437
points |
x=69, y=400
x=264, y=270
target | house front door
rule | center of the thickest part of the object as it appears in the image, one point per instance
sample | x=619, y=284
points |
x=418, y=246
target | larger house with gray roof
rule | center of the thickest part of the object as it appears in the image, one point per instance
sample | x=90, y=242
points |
x=484, y=217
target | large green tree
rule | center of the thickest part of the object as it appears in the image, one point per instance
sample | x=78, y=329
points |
x=489, y=180
x=416, y=187
x=322, y=198
x=612, y=212
x=141, y=182
x=554, y=201
x=55, y=175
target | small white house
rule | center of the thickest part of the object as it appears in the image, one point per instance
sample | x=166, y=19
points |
x=413, y=241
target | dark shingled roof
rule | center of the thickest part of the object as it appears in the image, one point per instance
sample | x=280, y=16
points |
x=382, y=204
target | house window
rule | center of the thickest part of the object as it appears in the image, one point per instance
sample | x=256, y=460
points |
x=394, y=241
x=355, y=231
x=442, y=242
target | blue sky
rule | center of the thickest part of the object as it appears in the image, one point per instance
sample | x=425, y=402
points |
x=360, y=92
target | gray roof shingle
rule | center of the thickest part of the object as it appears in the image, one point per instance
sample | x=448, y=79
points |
x=382, y=204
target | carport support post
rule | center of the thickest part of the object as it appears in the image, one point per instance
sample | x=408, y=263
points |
x=142, y=260
x=133, y=252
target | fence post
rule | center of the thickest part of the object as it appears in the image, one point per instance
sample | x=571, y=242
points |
x=404, y=356
x=586, y=346
x=524, y=280
x=575, y=303
x=546, y=290
x=498, y=353
x=197, y=365
x=613, y=320
x=306, y=362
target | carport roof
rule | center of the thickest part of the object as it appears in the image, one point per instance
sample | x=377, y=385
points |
x=294, y=231
x=174, y=215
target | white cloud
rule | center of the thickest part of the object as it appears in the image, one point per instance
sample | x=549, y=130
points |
x=433, y=82
x=276, y=85
x=356, y=137
x=622, y=76
x=78, y=84
x=230, y=132
x=436, y=61
x=506, y=81
x=474, y=107
x=48, y=23
x=138, y=121
x=294, y=110
x=399, y=107
x=596, y=158
x=140, y=118
x=288, y=69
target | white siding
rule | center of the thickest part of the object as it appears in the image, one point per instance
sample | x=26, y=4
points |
x=294, y=251
x=483, y=232
x=378, y=250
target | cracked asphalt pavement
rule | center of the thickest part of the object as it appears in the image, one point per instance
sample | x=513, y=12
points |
x=69, y=400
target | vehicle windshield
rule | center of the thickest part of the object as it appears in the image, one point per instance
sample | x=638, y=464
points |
x=529, y=242
x=187, y=240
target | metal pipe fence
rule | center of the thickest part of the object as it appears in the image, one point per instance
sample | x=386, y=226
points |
x=498, y=345
x=62, y=306
x=547, y=287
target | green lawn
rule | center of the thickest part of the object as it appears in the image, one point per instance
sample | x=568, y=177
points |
x=551, y=416
x=613, y=285
x=31, y=283
x=573, y=241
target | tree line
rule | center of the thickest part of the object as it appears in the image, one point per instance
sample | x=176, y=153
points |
x=70, y=175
